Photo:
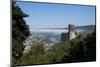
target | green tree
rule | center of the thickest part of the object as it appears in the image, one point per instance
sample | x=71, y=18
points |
x=36, y=54
x=20, y=31
x=56, y=53
x=90, y=42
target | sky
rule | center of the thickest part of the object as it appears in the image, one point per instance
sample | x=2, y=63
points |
x=50, y=15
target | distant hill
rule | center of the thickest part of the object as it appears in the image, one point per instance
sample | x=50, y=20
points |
x=87, y=27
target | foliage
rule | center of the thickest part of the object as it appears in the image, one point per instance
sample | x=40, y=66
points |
x=82, y=49
x=76, y=50
x=90, y=42
x=57, y=51
x=36, y=55
x=20, y=31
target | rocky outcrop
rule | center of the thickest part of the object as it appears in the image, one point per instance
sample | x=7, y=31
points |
x=71, y=32
x=70, y=35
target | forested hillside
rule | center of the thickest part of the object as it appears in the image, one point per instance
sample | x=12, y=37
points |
x=77, y=50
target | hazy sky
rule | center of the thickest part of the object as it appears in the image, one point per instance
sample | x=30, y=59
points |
x=44, y=15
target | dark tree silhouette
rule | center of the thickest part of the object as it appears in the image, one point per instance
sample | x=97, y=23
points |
x=20, y=31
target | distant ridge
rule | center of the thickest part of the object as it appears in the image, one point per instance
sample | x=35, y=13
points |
x=76, y=27
x=87, y=27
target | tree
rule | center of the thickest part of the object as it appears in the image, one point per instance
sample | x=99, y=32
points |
x=90, y=42
x=20, y=31
x=36, y=54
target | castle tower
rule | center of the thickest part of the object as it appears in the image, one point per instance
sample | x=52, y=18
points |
x=71, y=32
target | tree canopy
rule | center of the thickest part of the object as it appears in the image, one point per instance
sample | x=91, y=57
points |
x=20, y=31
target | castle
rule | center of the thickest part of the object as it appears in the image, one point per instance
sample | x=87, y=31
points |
x=70, y=35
